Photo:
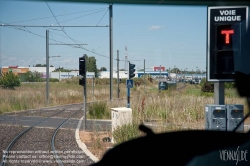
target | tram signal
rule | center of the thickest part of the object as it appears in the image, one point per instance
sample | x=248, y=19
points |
x=82, y=70
x=82, y=66
x=131, y=70
x=227, y=26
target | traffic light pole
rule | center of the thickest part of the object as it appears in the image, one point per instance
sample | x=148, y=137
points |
x=82, y=82
x=128, y=97
x=129, y=82
x=128, y=90
x=85, y=106
x=85, y=94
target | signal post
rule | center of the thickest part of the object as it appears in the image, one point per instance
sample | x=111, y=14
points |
x=82, y=82
x=129, y=81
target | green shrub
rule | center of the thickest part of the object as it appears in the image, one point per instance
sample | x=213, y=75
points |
x=230, y=85
x=203, y=80
x=53, y=80
x=126, y=132
x=33, y=76
x=9, y=80
x=207, y=87
x=98, y=110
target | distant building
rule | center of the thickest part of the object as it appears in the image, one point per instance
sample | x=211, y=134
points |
x=106, y=74
x=124, y=74
x=41, y=69
x=20, y=71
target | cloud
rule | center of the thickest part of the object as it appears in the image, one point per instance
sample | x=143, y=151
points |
x=154, y=27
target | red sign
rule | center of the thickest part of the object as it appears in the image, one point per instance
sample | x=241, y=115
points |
x=159, y=68
x=227, y=33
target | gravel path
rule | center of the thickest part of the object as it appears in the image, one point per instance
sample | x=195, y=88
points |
x=70, y=148
x=34, y=148
x=8, y=133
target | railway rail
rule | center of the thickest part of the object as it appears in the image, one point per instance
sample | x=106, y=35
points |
x=67, y=112
x=37, y=152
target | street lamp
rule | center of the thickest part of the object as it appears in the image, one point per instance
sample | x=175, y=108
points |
x=47, y=76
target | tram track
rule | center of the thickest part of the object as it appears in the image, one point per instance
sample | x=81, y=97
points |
x=38, y=141
x=61, y=111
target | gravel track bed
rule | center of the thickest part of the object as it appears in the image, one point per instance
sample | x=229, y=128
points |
x=33, y=145
x=78, y=115
x=65, y=142
x=68, y=113
x=47, y=113
x=43, y=113
x=8, y=133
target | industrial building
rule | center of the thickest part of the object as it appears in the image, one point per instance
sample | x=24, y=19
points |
x=20, y=71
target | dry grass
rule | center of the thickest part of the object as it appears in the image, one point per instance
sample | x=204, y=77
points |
x=180, y=110
x=94, y=143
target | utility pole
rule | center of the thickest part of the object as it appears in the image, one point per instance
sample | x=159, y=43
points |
x=111, y=48
x=118, y=80
x=126, y=57
x=47, y=67
x=144, y=76
x=93, y=84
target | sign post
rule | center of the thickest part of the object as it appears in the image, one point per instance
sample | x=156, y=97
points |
x=129, y=84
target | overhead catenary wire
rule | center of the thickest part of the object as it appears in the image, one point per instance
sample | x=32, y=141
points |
x=79, y=17
x=68, y=35
x=56, y=16
x=52, y=36
x=28, y=31
x=18, y=28
x=62, y=36
x=59, y=23
x=93, y=52
x=102, y=17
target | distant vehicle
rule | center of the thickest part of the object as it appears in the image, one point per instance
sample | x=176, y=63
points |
x=195, y=81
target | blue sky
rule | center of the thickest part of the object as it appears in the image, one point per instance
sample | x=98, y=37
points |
x=162, y=35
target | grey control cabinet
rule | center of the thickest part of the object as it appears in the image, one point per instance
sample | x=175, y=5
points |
x=216, y=117
x=224, y=117
x=235, y=113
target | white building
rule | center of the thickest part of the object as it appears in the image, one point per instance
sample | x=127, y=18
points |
x=122, y=74
x=63, y=75
x=41, y=69
x=59, y=75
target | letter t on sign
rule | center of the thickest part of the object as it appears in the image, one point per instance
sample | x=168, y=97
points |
x=227, y=33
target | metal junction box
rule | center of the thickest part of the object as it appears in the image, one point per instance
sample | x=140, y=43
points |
x=235, y=113
x=216, y=117
x=224, y=117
